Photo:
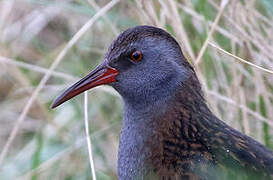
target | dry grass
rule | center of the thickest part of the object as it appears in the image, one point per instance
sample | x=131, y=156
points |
x=230, y=43
x=88, y=139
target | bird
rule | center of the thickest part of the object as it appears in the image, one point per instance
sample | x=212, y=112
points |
x=168, y=131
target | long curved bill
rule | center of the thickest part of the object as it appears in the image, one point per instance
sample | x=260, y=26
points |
x=99, y=76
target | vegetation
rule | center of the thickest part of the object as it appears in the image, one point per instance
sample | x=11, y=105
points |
x=38, y=36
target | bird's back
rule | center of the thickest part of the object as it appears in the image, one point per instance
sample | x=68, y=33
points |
x=195, y=144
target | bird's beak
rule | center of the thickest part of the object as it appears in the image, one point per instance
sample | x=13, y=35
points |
x=99, y=76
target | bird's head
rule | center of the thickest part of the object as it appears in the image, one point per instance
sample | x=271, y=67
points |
x=143, y=63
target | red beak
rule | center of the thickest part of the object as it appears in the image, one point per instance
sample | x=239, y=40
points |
x=99, y=76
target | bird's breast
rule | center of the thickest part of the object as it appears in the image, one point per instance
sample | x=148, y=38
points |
x=161, y=147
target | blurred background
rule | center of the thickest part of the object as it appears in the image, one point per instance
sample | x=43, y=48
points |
x=37, y=142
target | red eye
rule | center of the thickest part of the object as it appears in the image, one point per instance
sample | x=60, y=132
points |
x=136, y=56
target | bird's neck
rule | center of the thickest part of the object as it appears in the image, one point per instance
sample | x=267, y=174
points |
x=138, y=130
x=145, y=125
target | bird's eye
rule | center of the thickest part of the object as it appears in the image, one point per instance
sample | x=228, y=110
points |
x=136, y=56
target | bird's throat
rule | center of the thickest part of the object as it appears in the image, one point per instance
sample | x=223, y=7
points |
x=139, y=137
x=141, y=146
